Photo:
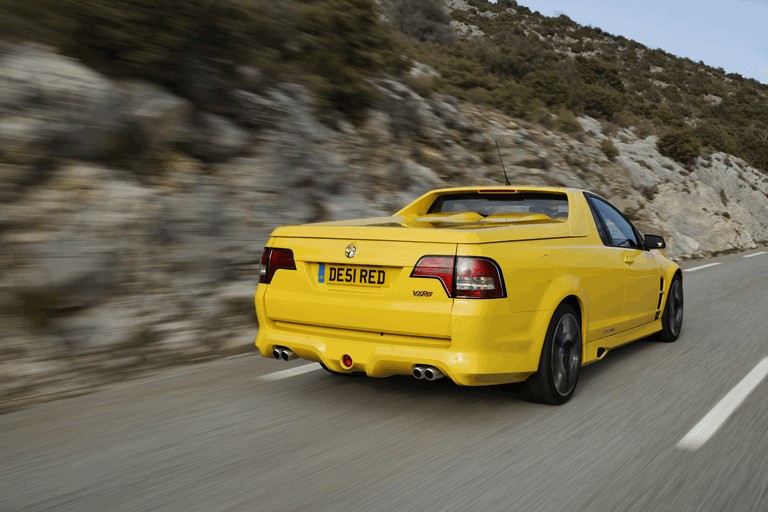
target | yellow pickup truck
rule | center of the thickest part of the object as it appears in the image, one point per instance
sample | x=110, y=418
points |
x=483, y=285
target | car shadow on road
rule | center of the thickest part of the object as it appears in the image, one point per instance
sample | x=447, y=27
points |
x=401, y=387
x=640, y=353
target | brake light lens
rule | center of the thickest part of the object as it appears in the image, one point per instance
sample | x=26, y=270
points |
x=478, y=278
x=272, y=260
x=438, y=267
x=463, y=277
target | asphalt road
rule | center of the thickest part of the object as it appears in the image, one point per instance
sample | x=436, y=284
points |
x=235, y=435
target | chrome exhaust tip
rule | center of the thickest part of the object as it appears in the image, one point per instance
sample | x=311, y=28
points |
x=418, y=372
x=283, y=353
x=431, y=373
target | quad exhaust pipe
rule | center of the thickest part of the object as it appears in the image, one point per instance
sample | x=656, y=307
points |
x=423, y=371
x=283, y=353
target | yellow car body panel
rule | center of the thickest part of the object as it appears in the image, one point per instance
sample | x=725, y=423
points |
x=391, y=319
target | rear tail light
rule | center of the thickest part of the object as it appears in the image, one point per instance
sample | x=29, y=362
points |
x=463, y=277
x=437, y=267
x=478, y=278
x=273, y=260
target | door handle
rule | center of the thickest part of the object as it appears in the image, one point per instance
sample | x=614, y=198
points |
x=629, y=259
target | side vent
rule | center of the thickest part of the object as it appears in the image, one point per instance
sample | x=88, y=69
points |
x=661, y=297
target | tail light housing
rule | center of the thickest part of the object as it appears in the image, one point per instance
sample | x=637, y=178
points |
x=478, y=278
x=463, y=277
x=272, y=260
x=437, y=267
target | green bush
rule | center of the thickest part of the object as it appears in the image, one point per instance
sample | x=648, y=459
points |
x=609, y=149
x=712, y=136
x=640, y=125
x=343, y=44
x=511, y=97
x=596, y=72
x=425, y=20
x=150, y=39
x=664, y=116
x=423, y=85
x=333, y=46
x=567, y=122
x=548, y=86
x=680, y=145
x=600, y=102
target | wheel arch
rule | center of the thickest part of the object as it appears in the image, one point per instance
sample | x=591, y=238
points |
x=568, y=289
x=671, y=327
x=575, y=303
x=670, y=275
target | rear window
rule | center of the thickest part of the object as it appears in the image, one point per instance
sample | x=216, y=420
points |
x=551, y=205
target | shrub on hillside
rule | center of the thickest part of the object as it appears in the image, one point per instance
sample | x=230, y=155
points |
x=609, y=149
x=753, y=146
x=600, y=102
x=548, y=86
x=150, y=39
x=567, y=122
x=596, y=72
x=680, y=145
x=343, y=43
x=640, y=125
x=712, y=136
x=334, y=46
x=425, y=20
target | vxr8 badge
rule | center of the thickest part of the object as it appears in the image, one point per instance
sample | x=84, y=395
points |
x=422, y=293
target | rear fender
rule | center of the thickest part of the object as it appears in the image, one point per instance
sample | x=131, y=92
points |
x=562, y=287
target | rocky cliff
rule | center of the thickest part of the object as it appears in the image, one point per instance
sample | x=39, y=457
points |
x=132, y=222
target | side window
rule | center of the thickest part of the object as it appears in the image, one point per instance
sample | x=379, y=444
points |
x=614, y=229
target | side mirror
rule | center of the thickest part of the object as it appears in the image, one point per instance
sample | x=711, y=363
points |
x=655, y=242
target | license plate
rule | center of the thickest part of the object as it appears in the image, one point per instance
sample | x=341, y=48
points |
x=344, y=274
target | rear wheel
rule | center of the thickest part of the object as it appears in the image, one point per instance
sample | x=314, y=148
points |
x=672, y=318
x=560, y=363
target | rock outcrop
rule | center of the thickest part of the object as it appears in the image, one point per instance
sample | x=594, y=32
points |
x=132, y=222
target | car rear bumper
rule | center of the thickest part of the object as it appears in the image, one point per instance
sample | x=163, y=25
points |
x=485, y=348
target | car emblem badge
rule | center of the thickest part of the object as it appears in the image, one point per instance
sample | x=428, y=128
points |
x=350, y=251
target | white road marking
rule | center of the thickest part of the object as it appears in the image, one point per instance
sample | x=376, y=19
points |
x=291, y=372
x=720, y=413
x=701, y=267
x=756, y=254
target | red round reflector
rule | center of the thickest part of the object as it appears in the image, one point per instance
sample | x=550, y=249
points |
x=346, y=361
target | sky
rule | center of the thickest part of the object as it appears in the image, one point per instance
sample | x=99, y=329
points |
x=728, y=34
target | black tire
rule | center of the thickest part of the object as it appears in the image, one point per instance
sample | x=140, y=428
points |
x=560, y=362
x=672, y=318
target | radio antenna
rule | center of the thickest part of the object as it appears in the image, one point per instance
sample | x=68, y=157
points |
x=506, y=180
